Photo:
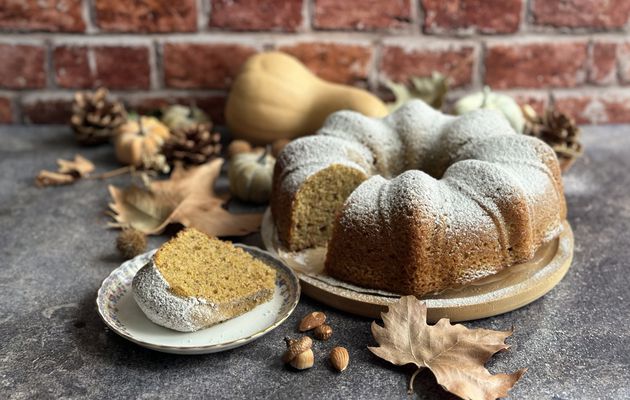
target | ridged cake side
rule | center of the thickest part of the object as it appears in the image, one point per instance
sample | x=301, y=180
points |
x=467, y=197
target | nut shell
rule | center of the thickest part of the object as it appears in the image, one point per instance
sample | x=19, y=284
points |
x=277, y=146
x=238, y=146
x=323, y=332
x=304, y=360
x=312, y=321
x=339, y=358
x=296, y=347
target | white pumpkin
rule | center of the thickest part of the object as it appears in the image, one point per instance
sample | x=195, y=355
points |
x=494, y=101
x=251, y=175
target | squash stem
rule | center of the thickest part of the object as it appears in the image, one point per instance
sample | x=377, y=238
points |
x=261, y=159
x=486, y=94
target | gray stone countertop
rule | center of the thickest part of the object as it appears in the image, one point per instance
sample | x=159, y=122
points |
x=55, y=251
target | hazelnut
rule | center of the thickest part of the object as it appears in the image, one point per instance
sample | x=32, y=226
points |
x=312, y=321
x=277, y=146
x=323, y=332
x=339, y=358
x=238, y=146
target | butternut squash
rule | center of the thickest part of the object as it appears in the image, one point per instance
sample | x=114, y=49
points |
x=276, y=97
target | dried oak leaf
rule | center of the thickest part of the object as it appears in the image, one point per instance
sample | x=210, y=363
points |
x=50, y=178
x=79, y=167
x=455, y=354
x=68, y=171
x=187, y=198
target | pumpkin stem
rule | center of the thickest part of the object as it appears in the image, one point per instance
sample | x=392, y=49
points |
x=140, y=127
x=261, y=160
x=486, y=94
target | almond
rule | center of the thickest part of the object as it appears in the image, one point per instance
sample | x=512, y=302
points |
x=339, y=358
x=312, y=321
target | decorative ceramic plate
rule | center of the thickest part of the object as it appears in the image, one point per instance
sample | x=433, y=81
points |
x=508, y=290
x=119, y=311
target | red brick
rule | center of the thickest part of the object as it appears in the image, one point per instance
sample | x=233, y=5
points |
x=535, y=65
x=617, y=109
x=340, y=63
x=72, y=69
x=577, y=107
x=6, y=114
x=361, y=14
x=122, y=67
x=115, y=67
x=213, y=104
x=623, y=59
x=146, y=15
x=22, y=66
x=399, y=64
x=581, y=13
x=256, y=15
x=34, y=15
x=47, y=111
x=602, y=63
x=212, y=66
x=487, y=16
x=611, y=108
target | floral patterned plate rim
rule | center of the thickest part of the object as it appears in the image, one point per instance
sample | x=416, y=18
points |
x=118, y=309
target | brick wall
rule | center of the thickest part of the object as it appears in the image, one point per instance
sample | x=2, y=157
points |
x=574, y=53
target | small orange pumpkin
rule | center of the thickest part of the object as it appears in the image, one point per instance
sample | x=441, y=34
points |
x=137, y=140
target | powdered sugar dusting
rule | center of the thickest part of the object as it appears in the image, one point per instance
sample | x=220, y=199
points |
x=185, y=314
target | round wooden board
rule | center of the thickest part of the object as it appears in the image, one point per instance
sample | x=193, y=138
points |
x=508, y=290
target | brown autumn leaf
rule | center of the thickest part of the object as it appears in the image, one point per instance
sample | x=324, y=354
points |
x=455, y=354
x=68, y=171
x=79, y=167
x=187, y=197
x=50, y=178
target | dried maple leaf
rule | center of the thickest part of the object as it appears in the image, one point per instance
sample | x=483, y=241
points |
x=187, y=198
x=68, y=171
x=455, y=354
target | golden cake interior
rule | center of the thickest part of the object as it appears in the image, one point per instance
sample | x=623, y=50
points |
x=197, y=265
x=318, y=202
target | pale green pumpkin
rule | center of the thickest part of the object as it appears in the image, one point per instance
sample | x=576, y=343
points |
x=493, y=101
x=250, y=176
x=181, y=117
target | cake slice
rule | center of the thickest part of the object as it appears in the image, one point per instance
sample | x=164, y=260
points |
x=195, y=281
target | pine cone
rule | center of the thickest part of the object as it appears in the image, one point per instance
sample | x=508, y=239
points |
x=95, y=118
x=557, y=130
x=192, y=145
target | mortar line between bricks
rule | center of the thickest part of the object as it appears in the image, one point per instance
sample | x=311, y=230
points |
x=373, y=66
x=416, y=16
x=89, y=16
x=49, y=94
x=479, y=67
x=61, y=93
x=525, y=17
x=154, y=78
x=15, y=106
x=203, y=15
x=49, y=68
x=308, y=13
x=219, y=36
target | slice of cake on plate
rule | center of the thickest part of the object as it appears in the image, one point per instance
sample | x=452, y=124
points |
x=195, y=281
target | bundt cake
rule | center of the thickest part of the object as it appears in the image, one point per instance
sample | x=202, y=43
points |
x=418, y=201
